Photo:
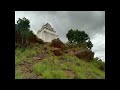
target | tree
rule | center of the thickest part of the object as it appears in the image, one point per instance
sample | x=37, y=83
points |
x=89, y=44
x=22, y=27
x=23, y=24
x=18, y=36
x=79, y=37
x=69, y=35
x=23, y=35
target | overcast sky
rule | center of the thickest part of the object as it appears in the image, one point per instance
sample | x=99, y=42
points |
x=92, y=22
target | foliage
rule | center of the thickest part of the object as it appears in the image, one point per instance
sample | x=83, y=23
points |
x=70, y=36
x=23, y=35
x=55, y=67
x=79, y=37
x=89, y=44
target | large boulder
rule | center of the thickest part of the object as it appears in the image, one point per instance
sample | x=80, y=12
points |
x=85, y=54
x=57, y=51
x=57, y=43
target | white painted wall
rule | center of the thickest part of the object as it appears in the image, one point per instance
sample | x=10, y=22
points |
x=47, y=35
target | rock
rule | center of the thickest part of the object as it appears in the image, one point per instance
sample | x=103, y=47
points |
x=57, y=47
x=71, y=53
x=85, y=54
x=57, y=44
x=57, y=52
x=39, y=57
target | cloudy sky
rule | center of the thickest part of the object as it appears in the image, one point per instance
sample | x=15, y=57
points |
x=92, y=22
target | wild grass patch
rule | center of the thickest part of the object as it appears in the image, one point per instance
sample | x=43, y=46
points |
x=19, y=75
x=54, y=74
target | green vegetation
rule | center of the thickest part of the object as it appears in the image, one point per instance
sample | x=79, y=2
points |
x=49, y=66
x=24, y=54
x=79, y=37
x=23, y=35
x=19, y=74
x=56, y=67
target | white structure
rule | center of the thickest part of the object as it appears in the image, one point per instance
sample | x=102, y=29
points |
x=47, y=33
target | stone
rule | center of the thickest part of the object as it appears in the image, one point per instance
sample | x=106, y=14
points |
x=57, y=43
x=85, y=54
x=57, y=52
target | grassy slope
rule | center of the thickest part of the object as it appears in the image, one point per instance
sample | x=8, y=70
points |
x=53, y=67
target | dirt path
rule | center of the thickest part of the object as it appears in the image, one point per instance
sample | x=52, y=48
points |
x=26, y=67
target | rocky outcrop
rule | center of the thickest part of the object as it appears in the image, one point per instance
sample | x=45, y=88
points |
x=57, y=43
x=57, y=52
x=85, y=54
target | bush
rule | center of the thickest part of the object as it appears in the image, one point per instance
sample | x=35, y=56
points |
x=102, y=67
x=71, y=45
x=99, y=64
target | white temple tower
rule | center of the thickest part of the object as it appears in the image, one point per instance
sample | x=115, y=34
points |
x=47, y=33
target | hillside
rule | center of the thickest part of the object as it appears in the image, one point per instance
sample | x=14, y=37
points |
x=38, y=61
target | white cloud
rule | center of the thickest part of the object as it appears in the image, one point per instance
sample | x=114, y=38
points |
x=99, y=46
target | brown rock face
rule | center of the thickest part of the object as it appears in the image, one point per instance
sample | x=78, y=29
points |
x=85, y=54
x=57, y=51
x=57, y=44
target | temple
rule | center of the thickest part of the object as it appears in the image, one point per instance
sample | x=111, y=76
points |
x=47, y=33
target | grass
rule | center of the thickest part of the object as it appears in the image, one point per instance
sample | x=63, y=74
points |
x=18, y=74
x=23, y=54
x=49, y=68
x=53, y=67
x=54, y=74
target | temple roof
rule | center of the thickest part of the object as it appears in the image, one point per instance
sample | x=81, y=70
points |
x=47, y=26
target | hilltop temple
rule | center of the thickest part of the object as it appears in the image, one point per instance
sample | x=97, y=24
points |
x=47, y=33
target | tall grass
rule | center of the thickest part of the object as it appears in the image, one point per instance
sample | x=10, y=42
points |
x=22, y=54
x=52, y=67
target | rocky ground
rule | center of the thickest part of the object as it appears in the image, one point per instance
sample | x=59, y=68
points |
x=57, y=61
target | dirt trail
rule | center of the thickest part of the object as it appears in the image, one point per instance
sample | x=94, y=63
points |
x=26, y=67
